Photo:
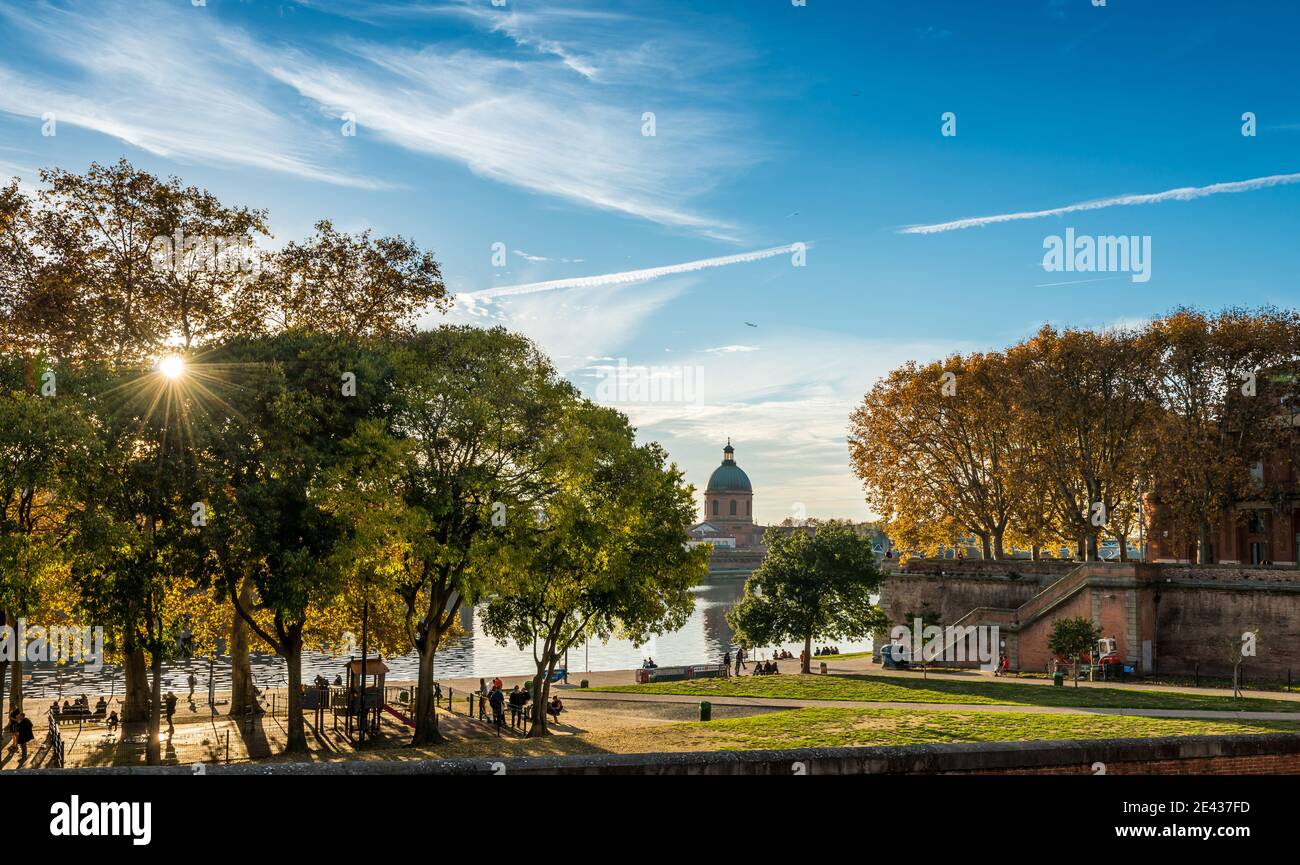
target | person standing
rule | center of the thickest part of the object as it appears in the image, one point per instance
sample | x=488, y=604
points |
x=25, y=734
x=498, y=701
x=11, y=731
x=482, y=699
x=726, y=663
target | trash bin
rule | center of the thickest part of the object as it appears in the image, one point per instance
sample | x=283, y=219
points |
x=1058, y=678
x=706, y=710
x=823, y=668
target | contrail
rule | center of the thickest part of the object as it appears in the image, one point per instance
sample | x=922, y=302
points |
x=1186, y=193
x=630, y=276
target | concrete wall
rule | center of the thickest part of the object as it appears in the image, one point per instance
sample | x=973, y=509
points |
x=1271, y=754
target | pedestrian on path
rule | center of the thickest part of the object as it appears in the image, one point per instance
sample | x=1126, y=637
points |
x=482, y=699
x=726, y=663
x=169, y=702
x=192, y=682
x=25, y=735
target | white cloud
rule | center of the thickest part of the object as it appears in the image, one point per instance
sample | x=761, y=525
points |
x=188, y=98
x=1185, y=193
x=627, y=277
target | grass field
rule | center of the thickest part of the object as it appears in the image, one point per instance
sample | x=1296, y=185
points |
x=894, y=689
x=827, y=728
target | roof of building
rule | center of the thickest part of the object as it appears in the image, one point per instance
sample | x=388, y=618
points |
x=729, y=477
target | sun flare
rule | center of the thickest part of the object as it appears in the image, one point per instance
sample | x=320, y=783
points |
x=173, y=367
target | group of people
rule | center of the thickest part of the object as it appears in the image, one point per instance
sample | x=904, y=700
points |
x=494, y=697
x=827, y=650
x=766, y=668
x=649, y=664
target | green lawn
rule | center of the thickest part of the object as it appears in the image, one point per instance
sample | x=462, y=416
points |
x=827, y=728
x=894, y=689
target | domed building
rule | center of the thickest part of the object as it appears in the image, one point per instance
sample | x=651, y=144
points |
x=729, y=507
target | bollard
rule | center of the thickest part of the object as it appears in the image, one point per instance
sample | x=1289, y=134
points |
x=706, y=710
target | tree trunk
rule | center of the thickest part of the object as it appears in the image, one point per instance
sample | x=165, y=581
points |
x=135, y=699
x=16, y=680
x=297, y=732
x=4, y=665
x=1035, y=553
x=1204, y=555
x=807, y=654
x=540, y=690
x=999, y=546
x=986, y=549
x=242, y=698
x=153, y=750
x=1091, y=549
x=426, y=713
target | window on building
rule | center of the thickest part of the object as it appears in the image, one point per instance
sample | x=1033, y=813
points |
x=1257, y=472
x=733, y=507
x=748, y=506
x=1258, y=523
x=715, y=507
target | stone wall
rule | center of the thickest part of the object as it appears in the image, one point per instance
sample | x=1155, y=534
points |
x=1269, y=754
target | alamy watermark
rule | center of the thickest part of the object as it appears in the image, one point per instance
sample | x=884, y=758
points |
x=1101, y=254
x=182, y=253
x=928, y=643
x=63, y=644
x=621, y=383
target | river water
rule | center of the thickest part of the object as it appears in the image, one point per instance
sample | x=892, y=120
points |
x=703, y=639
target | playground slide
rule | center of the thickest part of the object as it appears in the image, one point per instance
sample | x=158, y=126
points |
x=399, y=716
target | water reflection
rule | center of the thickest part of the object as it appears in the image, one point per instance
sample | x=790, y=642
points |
x=703, y=639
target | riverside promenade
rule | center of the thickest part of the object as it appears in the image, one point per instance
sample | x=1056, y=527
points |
x=200, y=736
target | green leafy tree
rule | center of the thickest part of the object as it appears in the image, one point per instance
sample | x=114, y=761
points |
x=810, y=586
x=604, y=554
x=291, y=403
x=1072, y=638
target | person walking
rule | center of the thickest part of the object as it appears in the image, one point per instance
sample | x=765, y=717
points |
x=25, y=735
x=192, y=680
x=482, y=699
x=169, y=703
x=726, y=663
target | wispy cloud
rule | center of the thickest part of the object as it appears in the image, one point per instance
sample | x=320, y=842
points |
x=628, y=277
x=515, y=111
x=189, y=99
x=1185, y=193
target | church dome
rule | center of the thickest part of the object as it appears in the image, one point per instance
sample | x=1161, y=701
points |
x=729, y=477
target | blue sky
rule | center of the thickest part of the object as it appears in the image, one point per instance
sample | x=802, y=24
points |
x=522, y=125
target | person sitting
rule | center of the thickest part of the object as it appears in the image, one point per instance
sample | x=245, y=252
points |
x=775, y=669
x=555, y=707
x=101, y=707
x=67, y=708
x=112, y=720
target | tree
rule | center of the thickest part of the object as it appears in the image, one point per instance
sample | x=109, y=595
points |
x=134, y=519
x=810, y=586
x=1209, y=433
x=290, y=404
x=41, y=440
x=605, y=553
x=1072, y=638
x=339, y=283
x=935, y=442
x=118, y=264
